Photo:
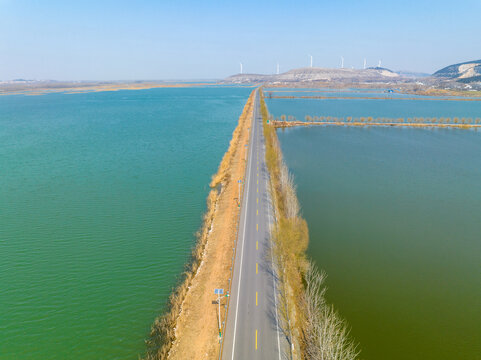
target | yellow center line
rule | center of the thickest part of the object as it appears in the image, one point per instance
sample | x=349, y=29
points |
x=257, y=227
x=257, y=212
x=256, y=339
x=257, y=245
x=258, y=200
x=257, y=189
x=257, y=268
x=257, y=181
x=256, y=298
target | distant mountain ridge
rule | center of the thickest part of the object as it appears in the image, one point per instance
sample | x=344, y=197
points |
x=309, y=74
x=469, y=71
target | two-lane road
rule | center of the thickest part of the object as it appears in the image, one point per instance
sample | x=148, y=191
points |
x=252, y=327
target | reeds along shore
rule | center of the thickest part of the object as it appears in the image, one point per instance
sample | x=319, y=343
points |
x=334, y=97
x=456, y=122
x=313, y=327
x=162, y=334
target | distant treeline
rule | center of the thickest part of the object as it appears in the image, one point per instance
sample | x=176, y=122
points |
x=371, y=119
x=334, y=97
x=312, y=326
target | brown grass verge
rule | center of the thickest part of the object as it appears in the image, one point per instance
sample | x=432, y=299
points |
x=189, y=330
x=284, y=124
x=372, y=98
x=84, y=88
x=314, y=329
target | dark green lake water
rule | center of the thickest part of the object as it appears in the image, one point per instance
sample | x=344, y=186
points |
x=100, y=195
x=394, y=220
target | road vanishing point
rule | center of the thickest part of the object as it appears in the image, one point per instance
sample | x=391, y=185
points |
x=252, y=328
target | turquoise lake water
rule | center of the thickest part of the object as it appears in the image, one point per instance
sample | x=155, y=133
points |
x=394, y=220
x=392, y=107
x=353, y=93
x=100, y=196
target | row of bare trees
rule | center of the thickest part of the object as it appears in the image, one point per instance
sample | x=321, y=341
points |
x=327, y=335
x=371, y=119
x=310, y=324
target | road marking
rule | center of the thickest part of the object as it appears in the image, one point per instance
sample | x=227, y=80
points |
x=257, y=200
x=257, y=181
x=257, y=189
x=257, y=245
x=257, y=227
x=274, y=282
x=256, y=339
x=256, y=298
x=257, y=268
x=257, y=212
x=242, y=252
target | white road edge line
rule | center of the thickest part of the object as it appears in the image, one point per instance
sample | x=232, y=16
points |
x=245, y=222
x=273, y=276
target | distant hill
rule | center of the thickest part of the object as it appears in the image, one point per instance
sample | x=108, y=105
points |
x=469, y=71
x=412, y=74
x=321, y=75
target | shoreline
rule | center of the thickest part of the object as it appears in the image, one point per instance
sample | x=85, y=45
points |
x=70, y=88
x=315, y=329
x=405, y=88
x=189, y=328
x=287, y=124
x=426, y=97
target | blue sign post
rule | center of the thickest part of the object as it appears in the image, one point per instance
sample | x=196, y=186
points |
x=219, y=292
x=239, y=182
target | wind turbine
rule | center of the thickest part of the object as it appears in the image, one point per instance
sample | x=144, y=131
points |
x=379, y=64
x=311, y=59
x=277, y=69
x=342, y=62
x=241, y=68
x=364, y=63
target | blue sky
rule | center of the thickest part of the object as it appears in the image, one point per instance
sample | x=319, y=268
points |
x=182, y=39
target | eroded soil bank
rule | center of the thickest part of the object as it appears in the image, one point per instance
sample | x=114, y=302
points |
x=189, y=330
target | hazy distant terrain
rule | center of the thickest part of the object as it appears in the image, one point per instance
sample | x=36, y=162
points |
x=466, y=72
x=40, y=87
x=463, y=76
x=321, y=74
x=457, y=77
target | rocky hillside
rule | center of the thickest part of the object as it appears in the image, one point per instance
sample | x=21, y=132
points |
x=320, y=75
x=464, y=72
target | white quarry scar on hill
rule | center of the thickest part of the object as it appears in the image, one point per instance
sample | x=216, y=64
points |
x=467, y=70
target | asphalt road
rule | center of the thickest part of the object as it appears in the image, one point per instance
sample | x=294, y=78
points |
x=252, y=327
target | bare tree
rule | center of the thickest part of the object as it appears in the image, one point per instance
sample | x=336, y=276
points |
x=327, y=335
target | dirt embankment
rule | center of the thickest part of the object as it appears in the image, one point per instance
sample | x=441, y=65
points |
x=312, y=326
x=79, y=88
x=284, y=124
x=189, y=330
x=433, y=98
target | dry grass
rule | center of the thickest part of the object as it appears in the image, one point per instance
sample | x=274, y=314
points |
x=188, y=329
x=443, y=92
x=312, y=327
x=282, y=124
x=326, y=334
x=78, y=88
x=162, y=333
x=433, y=98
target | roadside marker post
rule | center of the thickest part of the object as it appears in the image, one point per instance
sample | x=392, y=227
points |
x=239, y=182
x=219, y=292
